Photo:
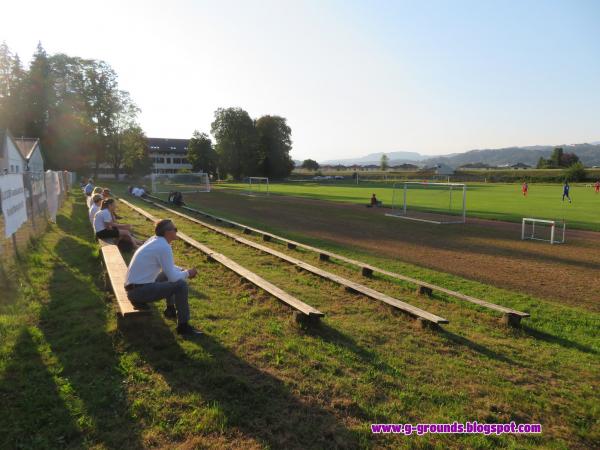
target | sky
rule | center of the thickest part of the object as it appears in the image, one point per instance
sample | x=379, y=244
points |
x=350, y=77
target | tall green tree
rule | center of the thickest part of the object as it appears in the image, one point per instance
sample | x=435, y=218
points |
x=201, y=153
x=123, y=121
x=38, y=94
x=384, y=163
x=136, y=152
x=556, y=157
x=310, y=164
x=236, y=142
x=12, y=102
x=274, y=146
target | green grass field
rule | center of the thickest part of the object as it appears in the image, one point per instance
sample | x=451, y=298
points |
x=70, y=379
x=487, y=201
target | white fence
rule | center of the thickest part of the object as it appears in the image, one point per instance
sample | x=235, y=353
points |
x=27, y=202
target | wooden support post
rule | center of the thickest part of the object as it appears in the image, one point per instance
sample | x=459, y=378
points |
x=291, y=246
x=424, y=290
x=366, y=272
x=266, y=237
x=305, y=319
x=511, y=320
x=424, y=324
x=323, y=256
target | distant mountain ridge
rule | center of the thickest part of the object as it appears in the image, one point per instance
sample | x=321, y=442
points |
x=375, y=158
x=589, y=154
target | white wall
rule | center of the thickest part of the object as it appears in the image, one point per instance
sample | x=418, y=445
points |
x=13, y=161
x=36, y=162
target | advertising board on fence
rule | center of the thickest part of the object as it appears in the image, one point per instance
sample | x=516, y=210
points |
x=14, y=209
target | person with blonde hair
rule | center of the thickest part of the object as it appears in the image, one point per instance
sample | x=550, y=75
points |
x=95, y=206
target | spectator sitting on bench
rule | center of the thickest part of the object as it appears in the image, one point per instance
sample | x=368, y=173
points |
x=374, y=202
x=105, y=226
x=153, y=275
x=89, y=187
x=176, y=198
x=96, y=204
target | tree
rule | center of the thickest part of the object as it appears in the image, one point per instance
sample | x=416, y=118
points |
x=136, y=153
x=274, y=146
x=542, y=163
x=556, y=157
x=575, y=173
x=568, y=159
x=384, y=164
x=201, y=154
x=123, y=121
x=310, y=164
x=38, y=94
x=236, y=142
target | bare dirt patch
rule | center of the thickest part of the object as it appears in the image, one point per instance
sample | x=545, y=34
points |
x=483, y=250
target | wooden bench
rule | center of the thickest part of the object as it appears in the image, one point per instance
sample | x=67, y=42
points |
x=305, y=313
x=510, y=316
x=427, y=318
x=116, y=272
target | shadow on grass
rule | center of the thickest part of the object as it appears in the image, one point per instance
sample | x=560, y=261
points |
x=74, y=324
x=550, y=338
x=477, y=348
x=250, y=400
x=34, y=413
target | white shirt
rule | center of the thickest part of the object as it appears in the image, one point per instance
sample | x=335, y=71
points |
x=150, y=259
x=138, y=192
x=101, y=218
x=93, y=210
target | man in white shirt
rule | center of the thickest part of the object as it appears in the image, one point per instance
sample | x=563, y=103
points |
x=153, y=275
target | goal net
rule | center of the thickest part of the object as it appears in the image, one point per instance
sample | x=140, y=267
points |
x=258, y=186
x=552, y=231
x=438, y=203
x=164, y=183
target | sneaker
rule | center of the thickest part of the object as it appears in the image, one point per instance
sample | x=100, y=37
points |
x=170, y=312
x=187, y=330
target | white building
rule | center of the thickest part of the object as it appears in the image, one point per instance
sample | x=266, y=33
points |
x=169, y=155
x=11, y=159
x=31, y=151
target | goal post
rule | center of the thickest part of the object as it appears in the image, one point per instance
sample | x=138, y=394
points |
x=552, y=231
x=437, y=203
x=258, y=185
x=164, y=183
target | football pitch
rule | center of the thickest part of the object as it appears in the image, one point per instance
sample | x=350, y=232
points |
x=484, y=200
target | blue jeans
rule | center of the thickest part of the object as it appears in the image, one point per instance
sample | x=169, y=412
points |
x=176, y=293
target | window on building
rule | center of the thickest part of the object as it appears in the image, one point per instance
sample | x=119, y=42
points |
x=184, y=161
x=176, y=160
x=168, y=160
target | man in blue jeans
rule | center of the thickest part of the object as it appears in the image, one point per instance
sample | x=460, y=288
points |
x=153, y=275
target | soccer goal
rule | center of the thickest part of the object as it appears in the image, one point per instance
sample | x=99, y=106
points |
x=438, y=203
x=164, y=183
x=543, y=230
x=258, y=186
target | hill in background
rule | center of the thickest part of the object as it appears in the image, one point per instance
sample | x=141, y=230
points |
x=589, y=154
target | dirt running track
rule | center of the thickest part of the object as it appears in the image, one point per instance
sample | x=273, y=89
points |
x=486, y=251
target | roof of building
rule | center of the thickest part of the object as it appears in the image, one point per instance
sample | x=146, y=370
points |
x=168, y=145
x=27, y=146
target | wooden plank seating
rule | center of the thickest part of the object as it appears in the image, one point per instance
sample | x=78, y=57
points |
x=510, y=316
x=116, y=272
x=307, y=313
x=427, y=317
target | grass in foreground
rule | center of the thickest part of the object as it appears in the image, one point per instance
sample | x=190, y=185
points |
x=69, y=378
